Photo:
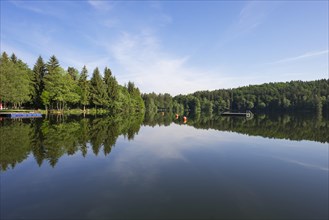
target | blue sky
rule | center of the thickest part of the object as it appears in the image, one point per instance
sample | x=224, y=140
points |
x=175, y=46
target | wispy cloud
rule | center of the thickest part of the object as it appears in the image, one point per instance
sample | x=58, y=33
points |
x=146, y=63
x=29, y=7
x=300, y=57
x=251, y=16
x=39, y=7
x=101, y=5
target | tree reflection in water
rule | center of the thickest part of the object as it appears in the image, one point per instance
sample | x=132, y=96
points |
x=51, y=138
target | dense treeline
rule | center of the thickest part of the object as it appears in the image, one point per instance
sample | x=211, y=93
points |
x=49, y=86
x=289, y=96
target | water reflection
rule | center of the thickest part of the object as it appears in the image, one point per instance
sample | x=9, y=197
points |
x=51, y=138
x=280, y=126
x=68, y=168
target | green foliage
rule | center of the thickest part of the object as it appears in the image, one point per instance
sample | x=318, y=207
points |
x=84, y=87
x=112, y=89
x=73, y=72
x=16, y=81
x=51, y=86
x=289, y=96
x=98, y=90
x=62, y=88
x=52, y=65
x=45, y=98
x=136, y=103
x=39, y=71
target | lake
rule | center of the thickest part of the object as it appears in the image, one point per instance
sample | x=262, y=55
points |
x=158, y=167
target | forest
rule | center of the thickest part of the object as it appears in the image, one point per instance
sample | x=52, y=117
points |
x=48, y=86
x=311, y=96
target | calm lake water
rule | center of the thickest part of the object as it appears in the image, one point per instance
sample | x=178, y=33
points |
x=157, y=167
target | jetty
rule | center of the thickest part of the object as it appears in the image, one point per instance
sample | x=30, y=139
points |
x=247, y=114
x=20, y=115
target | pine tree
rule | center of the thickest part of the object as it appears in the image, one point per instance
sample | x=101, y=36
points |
x=39, y=71
x=112, y=89
x=136, y=101
x=84, y=88
x=4, y=57
x=97, y=89
x=73, y=72
x=13, y=58
x=52, y=64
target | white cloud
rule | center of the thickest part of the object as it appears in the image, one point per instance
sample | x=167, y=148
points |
x=146, y=63
x=154, y=146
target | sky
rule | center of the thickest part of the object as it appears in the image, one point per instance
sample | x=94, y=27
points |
x=175, y=47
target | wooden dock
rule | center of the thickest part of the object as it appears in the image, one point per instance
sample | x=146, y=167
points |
x=247, y=114
x=20, y=115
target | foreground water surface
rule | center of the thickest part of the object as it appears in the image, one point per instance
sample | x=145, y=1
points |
x=157, y=167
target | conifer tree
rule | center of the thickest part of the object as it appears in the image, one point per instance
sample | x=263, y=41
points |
x=84, y=88
x=97, y=89
x=112, y=89
x=73, y=72
x=52, y=64
x=13, y=58
x=39, y=71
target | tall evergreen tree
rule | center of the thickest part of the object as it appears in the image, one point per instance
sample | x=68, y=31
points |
x=39, y=71
x=13, y=58
x=73, y=72
x=4, y=57
x=84, y=88
x=98, y=90
x=112, y=89
x=136, y=101
x=52, y=64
